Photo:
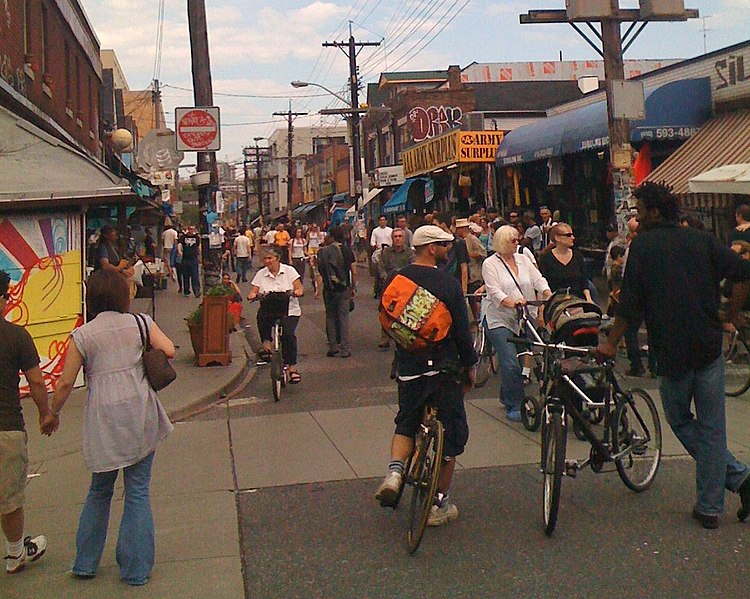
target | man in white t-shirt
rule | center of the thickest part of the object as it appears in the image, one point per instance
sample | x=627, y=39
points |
x=168, y=239
x=242, y=252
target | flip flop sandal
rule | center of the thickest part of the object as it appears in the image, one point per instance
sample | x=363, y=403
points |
x=294, y=378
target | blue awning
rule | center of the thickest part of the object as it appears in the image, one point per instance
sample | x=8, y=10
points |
x=340, y=197
x=397, y=203
x=674, y=111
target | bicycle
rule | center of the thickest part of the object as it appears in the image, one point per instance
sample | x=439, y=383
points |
x=531, y=408
x=422, y=473
x=736, y=354
x=487, y=363
x=631, y=434
x=276, y=305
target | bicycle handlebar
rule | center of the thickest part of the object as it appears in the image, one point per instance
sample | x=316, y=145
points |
x=589, y=351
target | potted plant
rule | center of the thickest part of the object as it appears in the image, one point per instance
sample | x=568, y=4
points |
x=209, y=327
x=195, y=325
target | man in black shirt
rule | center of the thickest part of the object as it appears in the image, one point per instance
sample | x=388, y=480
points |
x=672, y=280
x=336, y=263
x=440, y=375
x=19, y=354
x=189, y=248
x=457, y=260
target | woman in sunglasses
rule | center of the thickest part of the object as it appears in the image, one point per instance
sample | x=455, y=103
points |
x=562, y=266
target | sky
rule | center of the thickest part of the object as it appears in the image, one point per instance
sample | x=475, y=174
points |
x=257, y=47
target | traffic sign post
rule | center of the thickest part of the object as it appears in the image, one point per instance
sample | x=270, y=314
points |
x=198, y=129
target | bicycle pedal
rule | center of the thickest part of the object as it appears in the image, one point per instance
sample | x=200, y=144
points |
x=571, y=468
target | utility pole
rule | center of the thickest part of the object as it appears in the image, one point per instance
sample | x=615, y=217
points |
x=613, y=45
x=289, y=154
x=350, y=48
x=245, y=212
x=203, y=96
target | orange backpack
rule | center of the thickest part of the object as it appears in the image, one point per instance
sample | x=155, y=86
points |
x=412, y=316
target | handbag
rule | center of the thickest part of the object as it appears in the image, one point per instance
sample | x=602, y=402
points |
x=159, y=371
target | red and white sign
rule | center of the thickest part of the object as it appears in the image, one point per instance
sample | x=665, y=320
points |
x=198, y=129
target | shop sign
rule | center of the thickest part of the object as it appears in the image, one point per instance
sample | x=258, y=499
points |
x=479, y=146
x=430, y=155
x=386, y=176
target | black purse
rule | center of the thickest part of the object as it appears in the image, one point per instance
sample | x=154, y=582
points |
x=159, y=371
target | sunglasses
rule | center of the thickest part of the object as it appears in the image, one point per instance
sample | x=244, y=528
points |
x=566, y=235
x=515, y=240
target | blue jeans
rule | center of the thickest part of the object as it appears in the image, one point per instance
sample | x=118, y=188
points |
x=511, y=377
x=705, y=434
x=190, y=274
x=243, y=264
x=135, y=541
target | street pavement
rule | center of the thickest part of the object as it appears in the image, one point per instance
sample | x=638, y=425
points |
x=257, y=498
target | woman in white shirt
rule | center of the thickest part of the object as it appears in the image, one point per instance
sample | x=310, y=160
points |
x=298, y=253
x=510, y=279
x=278, y=277
x=314, y=239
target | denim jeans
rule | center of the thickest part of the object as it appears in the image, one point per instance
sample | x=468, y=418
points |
x=337, y=318
x=511, y=377
x=135, y=541
x=190, y=274
x=243, y=264
x=705, y=434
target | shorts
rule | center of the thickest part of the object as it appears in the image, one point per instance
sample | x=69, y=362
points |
x=442, y=391
x=14, y=465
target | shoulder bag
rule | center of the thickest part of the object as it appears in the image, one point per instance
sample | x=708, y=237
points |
x=159, y=371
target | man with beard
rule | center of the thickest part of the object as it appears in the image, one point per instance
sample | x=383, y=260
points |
x=438, y=375
x=672, y=280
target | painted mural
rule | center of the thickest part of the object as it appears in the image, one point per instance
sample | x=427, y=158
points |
x=42, y=255
x=429, y=122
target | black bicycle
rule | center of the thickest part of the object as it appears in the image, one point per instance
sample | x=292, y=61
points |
x=736, y=354
x=630, y=434
x=487, y=364
x=275, y=305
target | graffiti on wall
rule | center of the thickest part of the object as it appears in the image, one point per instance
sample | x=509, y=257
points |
x=427, y=123
x=42, y=255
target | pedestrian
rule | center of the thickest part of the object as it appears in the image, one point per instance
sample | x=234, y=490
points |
x=337, y=267
x=532, y=237
x=298, y=253
x=562, y=265
x=439, y=374
x=149, y=245
x=477, y=254
x=243, y=252
x=511, y=279
x=401, y=224
x=168, y=241
x=457, y=262
x=235, y=301
x=108, y=255
x=546, y=227
x=379, y=239
x=393, y=259
x=189, y=250
x=276, y=277
x=19, y=355
x=281, y=240
x=123, y=423
x=672, y=279
x=742, y=218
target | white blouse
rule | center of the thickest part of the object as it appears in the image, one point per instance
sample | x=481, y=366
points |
x=283, y=281
x=499, y=283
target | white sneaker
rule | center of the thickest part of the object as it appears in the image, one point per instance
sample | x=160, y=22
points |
x=442, y=515
x=389, y=488
x=33, y=549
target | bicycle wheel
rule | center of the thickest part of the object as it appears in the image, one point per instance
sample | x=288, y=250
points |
x=637, y=431
x=736, y=364
x=276, y=375
x=531, y=413
x=553, y=465
x=424, y=480
x=481, y=346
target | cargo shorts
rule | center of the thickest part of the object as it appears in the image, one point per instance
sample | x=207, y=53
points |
x=14, y=465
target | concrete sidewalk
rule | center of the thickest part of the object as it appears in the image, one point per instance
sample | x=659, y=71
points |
x=198, y=551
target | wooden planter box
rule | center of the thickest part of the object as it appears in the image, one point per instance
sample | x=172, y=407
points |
x=211, y=339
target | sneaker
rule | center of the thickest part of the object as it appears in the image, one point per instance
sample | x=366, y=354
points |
x=332, y=353
x=440, y=515
x=346, y=354
x=389, y=488
x=709, y=521
x=514, y=415
x=744, y=492
x=33, y=549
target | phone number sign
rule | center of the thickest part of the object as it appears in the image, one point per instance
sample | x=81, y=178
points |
x=198, y=129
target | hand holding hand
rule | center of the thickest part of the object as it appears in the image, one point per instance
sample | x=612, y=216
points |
x=49, y=424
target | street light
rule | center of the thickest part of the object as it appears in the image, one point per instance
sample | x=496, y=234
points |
x=355, y=150
x=299, y=84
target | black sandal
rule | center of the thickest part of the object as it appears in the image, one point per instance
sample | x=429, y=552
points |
x=294, y=378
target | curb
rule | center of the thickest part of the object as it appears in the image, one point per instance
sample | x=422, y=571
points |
x=240, y=379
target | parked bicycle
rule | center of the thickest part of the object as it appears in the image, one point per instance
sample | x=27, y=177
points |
x=487, y=363
x=736, y=352
x=630, y=435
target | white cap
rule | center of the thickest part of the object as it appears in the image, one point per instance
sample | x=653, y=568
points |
x=427, y=234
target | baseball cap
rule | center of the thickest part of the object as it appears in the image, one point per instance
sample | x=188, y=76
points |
x=427, y=234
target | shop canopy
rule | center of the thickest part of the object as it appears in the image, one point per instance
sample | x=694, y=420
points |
x=397, y=203
x=732, y=178
x=37, y=169
x=304, y=209
x=674, y=111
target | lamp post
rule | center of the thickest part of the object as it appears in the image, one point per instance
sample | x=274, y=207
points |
x=355, y=149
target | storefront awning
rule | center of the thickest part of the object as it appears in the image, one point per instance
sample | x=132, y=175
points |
x=674, y=111
x=397, y=203
x=723, y=140
x=370, y=195
x=37, y=169
x=732, y=178
x=340, y=197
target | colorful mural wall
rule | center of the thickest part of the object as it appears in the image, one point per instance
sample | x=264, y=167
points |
x=42, y=254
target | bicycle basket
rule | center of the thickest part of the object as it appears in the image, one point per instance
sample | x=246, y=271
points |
x=572, y=320
x=275, y=305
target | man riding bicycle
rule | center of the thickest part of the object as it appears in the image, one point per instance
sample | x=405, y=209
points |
x=438, y=375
